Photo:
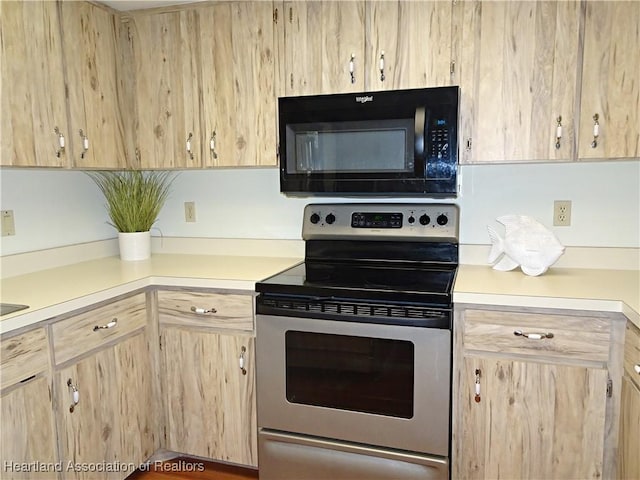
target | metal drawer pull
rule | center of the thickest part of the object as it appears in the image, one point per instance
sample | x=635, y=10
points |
x=203, y=311
x=60, y=149
x=381, y=67
x=596, y=130
x=558, y=131
x=352, y=68
x=636, y=367
x=85, y=143
x=243, y=350
x=477, y=395
x=212, y=145
x=189, y=146
x=75, y=395
x=109, y=325
x=533, y=336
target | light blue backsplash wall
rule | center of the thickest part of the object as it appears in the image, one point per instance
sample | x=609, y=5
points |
x=54, y=208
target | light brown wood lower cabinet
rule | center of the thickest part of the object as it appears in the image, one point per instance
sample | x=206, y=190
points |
x=112, y=424
x=210, y=403
x=27, y=429
x=524, y=410
x=629, y=440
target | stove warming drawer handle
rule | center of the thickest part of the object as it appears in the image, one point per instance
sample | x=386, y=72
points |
x=533, y=336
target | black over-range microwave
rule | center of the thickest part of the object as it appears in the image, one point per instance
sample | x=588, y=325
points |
x=402, y=142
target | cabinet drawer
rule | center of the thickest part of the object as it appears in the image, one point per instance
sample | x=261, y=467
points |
x=87, y=331
x=578, y=338
x=206, y=309
x=632, y=353
x=23, y=356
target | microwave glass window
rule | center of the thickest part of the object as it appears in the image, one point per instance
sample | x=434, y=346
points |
x=354, y=147
x=361, y=374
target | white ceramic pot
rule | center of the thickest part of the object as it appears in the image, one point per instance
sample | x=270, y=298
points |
x=134, y=245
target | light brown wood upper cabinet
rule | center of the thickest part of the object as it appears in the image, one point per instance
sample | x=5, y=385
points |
x=517, y=64
x=324, y=47
x=166, y=73
x=610, y=83
x=90, y=59
x=408, y=44
x=204, y=86
x=237, y=56
x=33, y=89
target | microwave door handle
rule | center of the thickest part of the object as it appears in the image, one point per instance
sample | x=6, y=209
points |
x=420, y=126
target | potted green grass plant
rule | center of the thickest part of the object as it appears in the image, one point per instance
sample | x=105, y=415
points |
x=134, y=199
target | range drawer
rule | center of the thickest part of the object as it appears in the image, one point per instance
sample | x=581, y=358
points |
x=632, y=353
x=87, y=331
x=206, y=309
x=572, y=337
x=23, y=356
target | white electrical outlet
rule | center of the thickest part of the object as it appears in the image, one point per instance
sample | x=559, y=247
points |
x=190, y=212
x=8, y=225
x=562, y=213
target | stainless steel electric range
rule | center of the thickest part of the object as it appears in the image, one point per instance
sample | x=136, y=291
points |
x=354, y=346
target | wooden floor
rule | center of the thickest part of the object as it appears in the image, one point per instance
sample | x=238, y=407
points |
x=183, y=468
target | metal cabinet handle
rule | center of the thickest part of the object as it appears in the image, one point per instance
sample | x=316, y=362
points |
x=381, y=66
x=352, y=68
x=477, y=390
x=533, y=336
x=636, y=368
x=85, y=143
x=596, y=130
x=189, y=146
x=243, y=350
x=203, y=311
x=113, y=323
x=61, y=142
x=558, y=131
x=75, y=395
x=212, y=145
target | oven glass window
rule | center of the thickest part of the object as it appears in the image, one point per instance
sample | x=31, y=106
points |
x=364, y=146
x=362, y=374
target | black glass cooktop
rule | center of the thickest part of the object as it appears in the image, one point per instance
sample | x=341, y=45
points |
x=415, y=283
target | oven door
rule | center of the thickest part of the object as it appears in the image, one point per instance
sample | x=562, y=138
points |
x=381, y=385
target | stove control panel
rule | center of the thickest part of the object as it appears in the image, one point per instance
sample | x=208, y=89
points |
x=381, y=221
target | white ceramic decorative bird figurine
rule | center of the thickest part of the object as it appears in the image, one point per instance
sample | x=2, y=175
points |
x=526, y=243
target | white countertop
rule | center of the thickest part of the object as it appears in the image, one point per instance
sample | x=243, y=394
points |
x=563, y=288
x=57, y=291
x=60, y=290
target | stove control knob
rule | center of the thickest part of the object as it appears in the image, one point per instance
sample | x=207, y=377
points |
x=442, y=219
x=330, y=218
x=315, y=218
x=424, y=219
x=411, y=219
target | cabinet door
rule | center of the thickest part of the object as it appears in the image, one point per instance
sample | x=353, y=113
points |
x=237, y=44
x=629, y=460
x=610, y=86
x=90, y=56
x=533, y=420
x=210, y=403
x=166, y=89
x=320, y=40
x=408, y=44
x=517, y=67
x=112, y=421
x=33, y=93
x=27, y=429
